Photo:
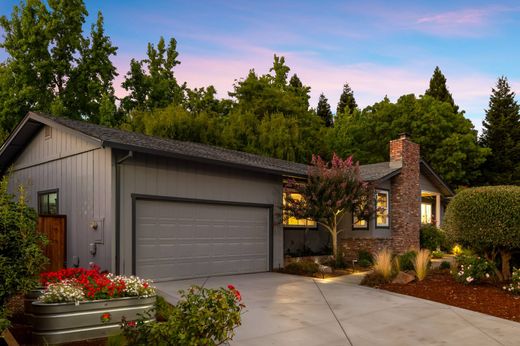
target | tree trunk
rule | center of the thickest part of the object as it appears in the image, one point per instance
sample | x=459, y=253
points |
x=491, y=256
x=506, y=269
x=334, y=235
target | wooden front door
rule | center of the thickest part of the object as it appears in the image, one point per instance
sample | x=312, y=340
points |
x=55, y=229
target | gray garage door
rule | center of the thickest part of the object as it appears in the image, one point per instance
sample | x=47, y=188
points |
x=179, y=240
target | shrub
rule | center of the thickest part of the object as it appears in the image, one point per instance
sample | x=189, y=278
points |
x=421, y=264
x=383, y=264
x=21, y=254
x=437, y=254
x=163, y=309
x=457, y=250
x=365, y=256
x=472, y=269
x=364, y=263
x=487, y=219
x=445, y=265
x=405, y=261
x=203, y=316
x=302, y=268
x=431, y=237
x=514, y=286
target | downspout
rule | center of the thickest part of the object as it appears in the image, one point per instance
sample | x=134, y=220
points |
x=118, y=209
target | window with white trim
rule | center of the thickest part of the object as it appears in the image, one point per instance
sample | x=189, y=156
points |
x=382, y=208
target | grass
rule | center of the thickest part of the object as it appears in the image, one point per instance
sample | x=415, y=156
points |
x=421, y=264
x=383, y=263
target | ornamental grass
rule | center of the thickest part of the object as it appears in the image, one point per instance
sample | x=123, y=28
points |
x=421, y=263
x=383, y=264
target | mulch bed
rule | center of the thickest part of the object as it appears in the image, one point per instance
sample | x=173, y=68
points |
x=439, y=286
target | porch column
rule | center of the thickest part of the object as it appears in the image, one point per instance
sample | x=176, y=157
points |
x=438, y=209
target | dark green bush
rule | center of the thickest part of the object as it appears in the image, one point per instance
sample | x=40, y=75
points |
x=445, y=265
x=21, y=254
x=365, y=256
x=487, y=220
x=406, y=260
x=364, y=263
x=302, y=268
x=432, y=238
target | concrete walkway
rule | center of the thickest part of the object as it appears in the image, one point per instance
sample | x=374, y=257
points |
x=291, y=310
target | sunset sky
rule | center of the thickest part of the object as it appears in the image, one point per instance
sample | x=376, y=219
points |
x=380, y=48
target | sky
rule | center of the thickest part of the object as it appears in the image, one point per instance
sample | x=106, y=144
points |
x=379, y=47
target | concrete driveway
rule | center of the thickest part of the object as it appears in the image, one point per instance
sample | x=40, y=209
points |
x=291, y=310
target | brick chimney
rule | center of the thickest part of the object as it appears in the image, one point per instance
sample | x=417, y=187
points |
x=405, y=218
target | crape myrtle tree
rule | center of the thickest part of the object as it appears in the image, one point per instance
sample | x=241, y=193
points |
x=487, y=220
x=332, y=190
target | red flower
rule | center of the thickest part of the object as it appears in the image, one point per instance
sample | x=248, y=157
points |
x=231, y=287
x=237, y=295
x=106, y=317
x=131, y=323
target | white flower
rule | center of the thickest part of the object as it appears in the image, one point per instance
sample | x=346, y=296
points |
x=469, y=279
x=487, y=275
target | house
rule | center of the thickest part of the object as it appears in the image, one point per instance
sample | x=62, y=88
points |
x=166, y=209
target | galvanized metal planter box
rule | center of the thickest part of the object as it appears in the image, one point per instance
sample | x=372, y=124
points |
x=66, y=322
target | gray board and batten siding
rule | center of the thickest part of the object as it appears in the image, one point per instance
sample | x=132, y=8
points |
x=80, y=170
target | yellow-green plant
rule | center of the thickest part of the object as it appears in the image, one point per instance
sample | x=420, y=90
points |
x=383, y=263
x=421, y=263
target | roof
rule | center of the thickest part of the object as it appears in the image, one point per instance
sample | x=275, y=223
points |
x=126, y=140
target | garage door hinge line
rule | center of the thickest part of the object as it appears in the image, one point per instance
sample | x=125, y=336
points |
x=333, y=313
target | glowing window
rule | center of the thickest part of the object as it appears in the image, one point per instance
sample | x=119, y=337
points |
x=426, y=213
x=382, y=202
x=294, y=222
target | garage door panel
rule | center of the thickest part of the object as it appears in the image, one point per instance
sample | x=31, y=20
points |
x=176, y=240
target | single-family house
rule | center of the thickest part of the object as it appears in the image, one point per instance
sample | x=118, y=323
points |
x=167, y=209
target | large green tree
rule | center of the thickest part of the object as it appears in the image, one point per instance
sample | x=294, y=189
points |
x=51, y=66
x=323, y=110
x=501, y=134
x=448, y=140
x=151, y=82
x=347, y=103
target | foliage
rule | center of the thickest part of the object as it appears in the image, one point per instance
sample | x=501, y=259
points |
x=472, y=269
x=332, y=190
x=431, y=237
x=151, y=82
x=438, y=89
x=51, y=65
x=421, y=264
x=366, y=256
x=21, y=255
x=203, y=316
x=487, y=220
x=501, y=134
x=514, y=286
x=302, y=268
x=448, y=140
x=163, y=309
x=383, y=264
x=457, y=250
x=323, y=111
x=406, y=260
x=347, y=103
x=437, y=254
x=76, y=284
x=445, y=265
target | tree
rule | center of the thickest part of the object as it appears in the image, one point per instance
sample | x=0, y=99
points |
x=487, y=220
x=324, y=112
x=448, y=140
x=347, y=103
x=501, y=134
x=50, y=65
x=332, y=190
x=151, y=82
x=21, y=255
x=438, y=89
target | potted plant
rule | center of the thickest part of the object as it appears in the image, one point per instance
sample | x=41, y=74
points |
x=79, y=304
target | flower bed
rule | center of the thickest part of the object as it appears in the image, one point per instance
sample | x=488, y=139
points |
x=79, y=304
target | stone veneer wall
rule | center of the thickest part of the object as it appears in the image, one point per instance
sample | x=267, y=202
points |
x=350, y=247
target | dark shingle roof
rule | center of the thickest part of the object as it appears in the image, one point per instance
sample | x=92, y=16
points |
x=138, y=142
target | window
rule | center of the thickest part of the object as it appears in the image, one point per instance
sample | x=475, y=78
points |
x=426, y=213
x=48, y=202
x=294, y=222
x=382, y=202
x=359, y=223
x=48, y=132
